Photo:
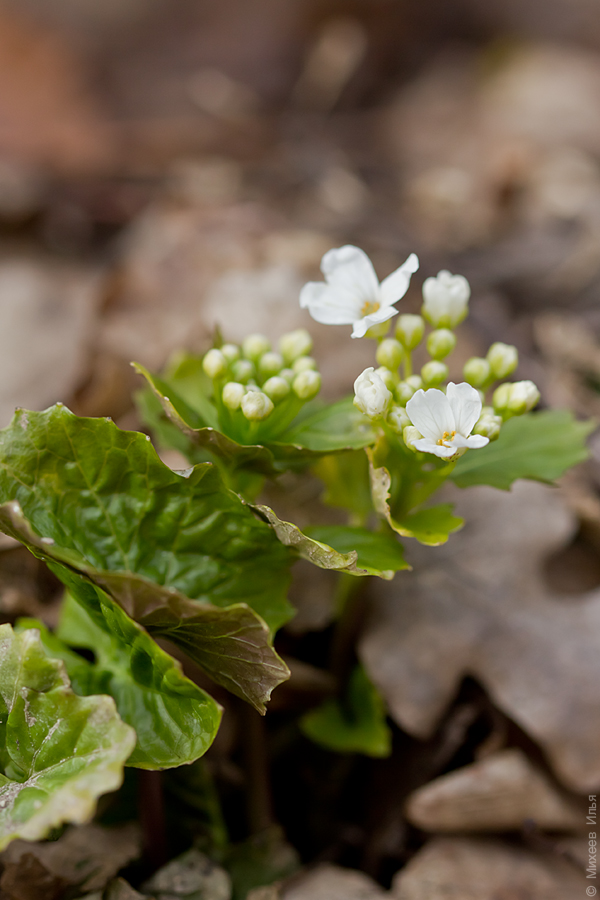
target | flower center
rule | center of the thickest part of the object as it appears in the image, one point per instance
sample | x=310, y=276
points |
x=369, y=306
x=447, y=436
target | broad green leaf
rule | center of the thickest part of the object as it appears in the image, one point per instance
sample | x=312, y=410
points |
x=58, y=752
x=346, y=479
x=377, y=553
x=178, y=551
x=540, y=446
x=355, y=725
x=175, y=720
x=330, y=428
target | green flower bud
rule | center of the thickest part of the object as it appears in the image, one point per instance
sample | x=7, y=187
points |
x=410, y=330
x=307, y=384
x=501, y=397
x=256, y=406
x=232, y=394
x=288, y=374
x=294, y=344
x=398, y=419
x=524, y=395
x=214, y=364
x=404, y=392
x=255, y=345
x=387, y=377
x=488, y=425
x=303, y=363
x=390, y=353
x=243, y=370
x=378, y=331
x=434, y=372
x=270, y=364
x=276, y=388
x=503, y=359
x=476, y=371
x=410, y=435
x=415, y=381
x=440, y=343
x=231, y=352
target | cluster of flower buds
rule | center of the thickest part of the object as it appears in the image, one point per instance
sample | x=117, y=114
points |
x=255, y=379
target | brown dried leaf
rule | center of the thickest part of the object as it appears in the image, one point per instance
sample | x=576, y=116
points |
x=327, y=882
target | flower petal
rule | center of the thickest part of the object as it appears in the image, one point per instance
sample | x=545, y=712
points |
x=426, y=446
x=326, y=305
x=431, y=413
x=476, y=441
x=465, y=403
x=349, y=269
x=361, y=326
x=394, y=287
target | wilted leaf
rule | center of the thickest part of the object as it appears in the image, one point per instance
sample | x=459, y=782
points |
x=59, y=752
x=479, y=607
x=378, y=553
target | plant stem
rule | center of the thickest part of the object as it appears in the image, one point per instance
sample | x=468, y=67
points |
x=350, y=602
x=259, y=805
x=152, y=817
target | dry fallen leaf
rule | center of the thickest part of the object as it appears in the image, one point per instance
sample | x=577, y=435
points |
x=327, y=882
x=479, y=606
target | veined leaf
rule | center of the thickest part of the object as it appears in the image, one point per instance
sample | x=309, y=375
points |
x=540, y=446
x=377, y=553
x=179, y=552
x=59, y=752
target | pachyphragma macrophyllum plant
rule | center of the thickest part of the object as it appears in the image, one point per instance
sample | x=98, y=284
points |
x=195, y=557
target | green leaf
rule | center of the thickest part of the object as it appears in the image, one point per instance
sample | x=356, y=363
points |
x=346, y=479
x=377, y=553
x=182, y=555
x=58, y=752
x=356, y=725
x=331, y=428
x=262, y=859
x=175, y=720
x=540, y=446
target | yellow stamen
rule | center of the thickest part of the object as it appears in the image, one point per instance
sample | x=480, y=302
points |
x=369, y=306
x=447, y=436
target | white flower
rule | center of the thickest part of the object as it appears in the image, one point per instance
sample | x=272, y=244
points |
x=351, y=294
x=446, y=420
x=445, y=299
x=371, y=395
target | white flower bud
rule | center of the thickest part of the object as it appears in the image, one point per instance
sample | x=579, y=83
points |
x=256, y=406
x=303, y=363
x=501, y=397
x=378, y=331
x=231, y=352
x=307, y=384
x=276, y=388
x=410, y=330
x=523, y=396
x=294, y=344
x=415, y=381
x=445, y=299
x=243, y=370
x=255, y=345
x=214, y=364
x=410, y=435
x=232, y=394
x=270, y=364
x=288, y=374
x=390, y=353
x=476, y=371
x=488, y=425
x=503, y=359
x=440, y=343
x=371, y=396
x=404, y=392
x=398, y=419
x=434, y=372
x=387, y=377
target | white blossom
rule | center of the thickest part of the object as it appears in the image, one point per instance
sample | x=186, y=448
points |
x=352, y=294
x=445, y=299
x=446, y=420
x=371, y=395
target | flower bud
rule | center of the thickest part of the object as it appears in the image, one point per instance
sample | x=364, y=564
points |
x=398, y=419
x=440, y=343
x=303, y=363
x=256, y=406
x=243, y=370
x=379, y=330
x=410, y=330
x=255, y=345
x=501, y=397
x=410, y=435
x=371, y=395
x=415, y=381
x=231, y=352
x=488, y=425
x=390, y=353
x=476, y=371
x=288, y=374
x=214, y=364
x=294, y=344
x=523, y=396
x=404, y=392
x=445, y=299
x=434, y=372
x=276, y=388
x=503, y=359
x=307, y=384
x=387, y=377
x=232, y=394
x=270, y=364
